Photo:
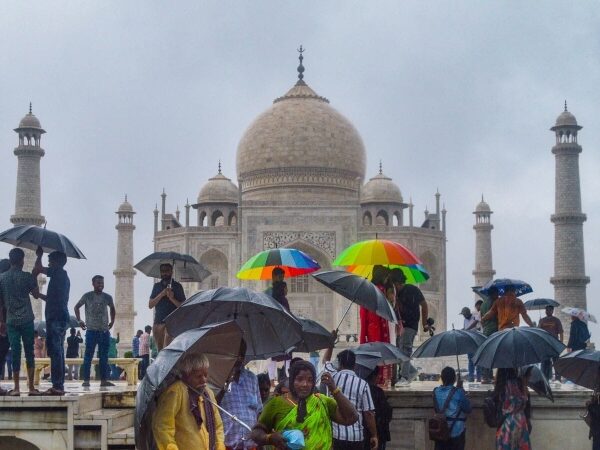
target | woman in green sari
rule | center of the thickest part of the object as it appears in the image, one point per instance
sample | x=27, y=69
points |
x=303, y=409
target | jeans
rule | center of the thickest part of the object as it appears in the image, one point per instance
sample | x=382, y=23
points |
x=16, y=334
x=144, y=364
x=405, y=344
x=102, y=340
x=547, y=368
x=473, y=370
x=55, y=343
x=456, y=443
x=348, y=445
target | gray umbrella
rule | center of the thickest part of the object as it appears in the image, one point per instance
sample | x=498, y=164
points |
x=537, y=381
x=582, y=367
x=40, y=326
x=185, y=267
x=269, y=329
x=32, y=237
x=314, y=337
x=390, y=354
x=358, y=290
x=517, y=347
x=219, y=342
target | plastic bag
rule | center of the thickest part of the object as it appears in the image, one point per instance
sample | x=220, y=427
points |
x=294, y=439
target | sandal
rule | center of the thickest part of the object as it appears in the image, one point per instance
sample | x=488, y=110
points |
x=13, y=393
x=53, y=391
x=34, y=393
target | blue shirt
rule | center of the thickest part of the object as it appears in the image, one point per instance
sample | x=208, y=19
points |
x=58, y=295
x=135, y=347
x=458, y=402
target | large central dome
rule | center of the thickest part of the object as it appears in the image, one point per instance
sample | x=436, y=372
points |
x=300, y=141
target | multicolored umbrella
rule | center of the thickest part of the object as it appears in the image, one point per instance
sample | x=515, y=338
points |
x=581, y=314
x=377, y=252
x=416, y=274
x=293, y=262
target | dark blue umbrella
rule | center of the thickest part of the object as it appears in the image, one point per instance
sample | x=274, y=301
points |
x=186, y=267
x=517, y=347
x=540, y=303
x=269, y=329
x=390, y=354
x=32, y=237
x=314, y=337
x=221, y=345
x=537, y=381
x=582, y=367
x=502, y=284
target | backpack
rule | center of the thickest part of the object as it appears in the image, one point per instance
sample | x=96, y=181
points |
x=438, y=424
x=492, y=412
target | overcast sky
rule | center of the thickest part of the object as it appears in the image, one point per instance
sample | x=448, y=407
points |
x=456, y=95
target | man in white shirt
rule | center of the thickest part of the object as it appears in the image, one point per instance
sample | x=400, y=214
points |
x=471, y=323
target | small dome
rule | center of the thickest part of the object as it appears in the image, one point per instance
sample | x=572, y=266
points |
x=380, y=189
x=218, y=189
x=483, y=207
x=566, y=119
x=125, y=207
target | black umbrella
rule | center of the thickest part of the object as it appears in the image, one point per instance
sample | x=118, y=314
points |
x=40, y=326
x=582, y=367
x=32, y=237
x=219, y=342
x=537, y=381
x=186, y=267
x=517, y=347
x=358, y=290
x=269, y=329
x=450, y=343
x=540, y=303
x=314, y=337
x=390, y=354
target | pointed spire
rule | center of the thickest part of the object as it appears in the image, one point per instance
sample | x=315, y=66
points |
x=125, y=197
x=380, y=167
x=301, y=67
x=482, y=197
x=219, y=166
x=565, y=106
x=30, y=108
x=187, y=202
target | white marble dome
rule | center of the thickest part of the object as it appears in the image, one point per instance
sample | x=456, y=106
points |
x=30, y=121
x=483, y=207
x=125, y=207
x=380, y=189
x=218, y=189
x=300, y=139
x=566, y=119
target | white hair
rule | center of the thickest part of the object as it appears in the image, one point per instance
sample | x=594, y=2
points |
x=191, y=362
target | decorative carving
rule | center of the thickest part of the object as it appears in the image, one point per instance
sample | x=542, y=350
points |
x=323, y=240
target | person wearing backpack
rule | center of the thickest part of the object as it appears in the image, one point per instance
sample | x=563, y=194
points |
x=451, y=406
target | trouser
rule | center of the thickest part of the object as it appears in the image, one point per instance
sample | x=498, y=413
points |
x=473, y=371
x=72, y=370
x=547, y=368
x=405, y=344
x=348, y=445
x=16, y=334
x=55, y=343
x=101, y=339
x=456, y=443
x=144, y=364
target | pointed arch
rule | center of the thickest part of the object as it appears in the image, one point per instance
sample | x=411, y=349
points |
x=203, y=219
x=232, y=219
x=217, y=218
x=367, y=219
x=382, y=218
x=216, y=262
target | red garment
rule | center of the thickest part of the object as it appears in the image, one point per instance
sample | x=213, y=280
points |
x=372, y=327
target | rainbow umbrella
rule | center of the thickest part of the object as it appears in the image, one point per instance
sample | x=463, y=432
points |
x=415, y=274
x=377, y=252
x=294, y=263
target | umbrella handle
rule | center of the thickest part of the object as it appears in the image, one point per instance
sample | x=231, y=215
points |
x=344, y=316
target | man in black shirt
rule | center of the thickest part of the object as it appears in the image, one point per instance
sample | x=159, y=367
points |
x=409, y=300
x=73, y=342
x=167, y=295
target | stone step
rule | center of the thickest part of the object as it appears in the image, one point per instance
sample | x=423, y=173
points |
x=121, y=438
x=116, y=419
x=88, y=402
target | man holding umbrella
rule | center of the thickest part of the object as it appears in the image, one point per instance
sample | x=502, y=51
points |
x=57, y=314
x=507, y=309
x=167, y=295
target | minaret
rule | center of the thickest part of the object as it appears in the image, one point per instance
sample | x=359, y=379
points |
x=29, y=152
x=28, y=198
x=484, y=270
x=124, y=273
x=569, y=278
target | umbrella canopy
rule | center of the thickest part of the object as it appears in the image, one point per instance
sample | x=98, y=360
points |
x=450, y=343
x=540, y=303
x=32, y=237
x=219, y=342
x=537, y=381
x=415, y=274
x=581, y=314
x=502, y=284
x=582, y=367
x=358, y=290
x=314, y=337
x=40, y=326
x=269, y=329
x=390, y=354
x=293, y=262
x=376, y=252
x=185, y=266
x=517, y=347
x=366, y=363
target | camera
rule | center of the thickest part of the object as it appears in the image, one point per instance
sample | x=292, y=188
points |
x=431, y=322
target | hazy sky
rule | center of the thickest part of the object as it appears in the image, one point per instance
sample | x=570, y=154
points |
x=136, y=96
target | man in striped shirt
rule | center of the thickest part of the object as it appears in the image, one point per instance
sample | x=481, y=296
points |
x=357, y=390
